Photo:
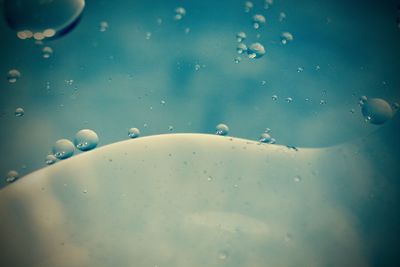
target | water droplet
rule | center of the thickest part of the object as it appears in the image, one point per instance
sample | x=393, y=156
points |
x=352, y=111
x=133, y=132
x=256, y=50
x=180, y=12
x=267, y=130
x=84, y=191
x=163, y=102
x=50, y=159
x=297, y=178
x=286, y=37
x=187, y=30
x=86, y=139
x=322, y=102
x=13, y=75
x=300, y=69
x=42, y=19
x=170, y=128
x=241, y=48
x=248, y=6
x=258, y=20
x=19, y=112
x=241, y=36
x=274, y=97
x=265, y=138
x=318, y=67
x=222, y=129
x=12, y=176
x=197, y=67
x=282, y=16
x=376, y=111
x=47, y=51
x=289, y=99
x=63, y=149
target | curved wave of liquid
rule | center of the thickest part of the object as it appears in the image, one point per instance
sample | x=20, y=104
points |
x=188, y=200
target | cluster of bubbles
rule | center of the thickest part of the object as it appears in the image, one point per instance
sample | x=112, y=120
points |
x=35, y=19
x=85, y=140
x=376, y=110
x=255, y=50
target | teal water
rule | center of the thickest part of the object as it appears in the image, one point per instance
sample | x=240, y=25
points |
x=154, y=66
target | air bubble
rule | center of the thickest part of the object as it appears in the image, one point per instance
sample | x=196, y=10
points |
x=222, y=129
x=13, y=75
x=103, y=26
x=180, y=12
x=50, y=159
x=256, y=50
x=248, y=6
x=241, y=36
x=12, y=176
x=265, y=138
x=63, y=149
x=376, y=111
x=133, y=132
x=86, y=140
x=42, y=19
x=274, y=97
x=286, y=37
x=241, y=48
x=47, y=51
x=258, y=21
x=289, y=99
x=19, y=112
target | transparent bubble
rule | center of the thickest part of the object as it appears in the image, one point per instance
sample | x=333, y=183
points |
x=13, y=75
x=268, y=3
x=265, y=138
x=12, y=176
x=222, y=129
x=300, y=69
x=286, y=37
x=47, y=51
x=50, y=159
x=63, y=149
x=241, y=36
x=282, y=16
x=248, y=6
x=180, y=12
x=133, y=132
x=241, y=48
x=104, y=26
x=255, y=50
x=289, y=99
x=19, y=112
x=86, y=140
x=395, y=106
x=363, y=99
x=376, y=111
x=237, y=60
x=222, y=255
x=274, y=97
x=258, y=21
x=42, y=19
x=297, y=178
